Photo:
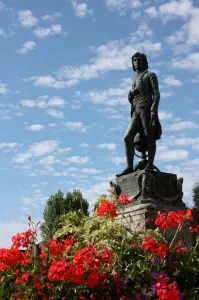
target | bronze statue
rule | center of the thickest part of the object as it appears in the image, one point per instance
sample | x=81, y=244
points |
x=144, y=98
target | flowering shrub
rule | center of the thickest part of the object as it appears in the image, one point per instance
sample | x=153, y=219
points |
x=94, y=258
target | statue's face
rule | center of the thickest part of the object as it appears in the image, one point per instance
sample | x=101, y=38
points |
x=138, y=63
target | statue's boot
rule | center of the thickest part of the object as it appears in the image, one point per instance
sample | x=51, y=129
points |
x=129, y=158
x=125, y=172
x=151, y=155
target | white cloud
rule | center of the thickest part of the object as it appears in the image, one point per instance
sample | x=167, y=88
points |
x=49, y=81
x=52, y=125
x=171, y=9
x=8, y=229
x=48, y=160
x=179, y=8
x=177, y=126
x=27, y=46
x=44, y=102
x=78, y=160
x=111, y=96
x=3, y=33
x=118, y=160
x=63, y=150
x=192, y=162
x=167, y=94
x=56, y=101
x=143, y=31
x=44, y=147
x=3, y=88
x=90, y=171
x=177, y=37
x=184, y=141
x=94, y=191
x=81, y=9
x=171, y=155
x=192, y=28
x=27, y=19
x=34, y=127
x=191, y=62
x=190, y=176
x=1, y=5
x=164, y=115
x=114, y=55
x=75, y=126
x=152, y=12
x=84, y=145
x=52, y=17
x=55, y=113
x=188, y=34
x=196, y=147
x=110, y=146
x=37, y=149
x=172, y=81
x=8, y=145
x=43, y=33
x=122, y=6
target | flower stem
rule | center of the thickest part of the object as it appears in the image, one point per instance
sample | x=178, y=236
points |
x=178, y=229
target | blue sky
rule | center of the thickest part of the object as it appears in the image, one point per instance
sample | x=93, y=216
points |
x=64, y=78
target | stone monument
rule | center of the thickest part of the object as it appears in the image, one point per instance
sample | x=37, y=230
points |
x=149, y=189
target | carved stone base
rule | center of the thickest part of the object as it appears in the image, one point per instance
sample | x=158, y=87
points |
x=140, y=217
x=151, y=191
x=149, y=186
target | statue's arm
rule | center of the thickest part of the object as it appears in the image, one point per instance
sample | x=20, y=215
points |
x=132, y=93
x=156, y=92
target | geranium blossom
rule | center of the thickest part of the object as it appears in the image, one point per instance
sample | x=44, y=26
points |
x=155, y=247
x=107, y=209
x=88, y=269
x=195, y=229
x=123, y=199
x=171, y=219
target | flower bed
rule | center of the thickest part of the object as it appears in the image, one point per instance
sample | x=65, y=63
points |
x=94, y=258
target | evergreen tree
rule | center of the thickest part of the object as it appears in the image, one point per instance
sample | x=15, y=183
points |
x=75, y=201
x=195, y=194
x=58, y=205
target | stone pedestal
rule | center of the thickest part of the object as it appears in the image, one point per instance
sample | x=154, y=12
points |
x=151, y=191
x=152, y=187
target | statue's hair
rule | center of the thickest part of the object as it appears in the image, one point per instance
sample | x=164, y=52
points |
x=143, y=56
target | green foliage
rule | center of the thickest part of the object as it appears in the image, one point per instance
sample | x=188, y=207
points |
x=90, y=229
x=58, y=205
x=75, y=201
x=195, y=194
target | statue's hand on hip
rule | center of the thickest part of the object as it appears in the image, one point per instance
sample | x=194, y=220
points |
x=132, y=93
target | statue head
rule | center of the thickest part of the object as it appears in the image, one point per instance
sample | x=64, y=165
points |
x=139, y=62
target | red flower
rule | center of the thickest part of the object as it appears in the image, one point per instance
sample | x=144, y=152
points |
x=167, y=291
x=123, y=199
x=171, y=219
x=195, y=229
x=3, y=267
x=155, y=247
x=22, y=239
x=107, y=209
x=10, y=257
x=189, y=214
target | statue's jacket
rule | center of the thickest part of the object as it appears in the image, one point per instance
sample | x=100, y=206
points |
x=147, y=84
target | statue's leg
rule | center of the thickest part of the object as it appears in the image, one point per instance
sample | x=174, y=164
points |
x=148, y=131
x=129, y=138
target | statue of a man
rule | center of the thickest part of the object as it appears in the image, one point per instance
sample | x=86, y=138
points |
x=144, y=98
